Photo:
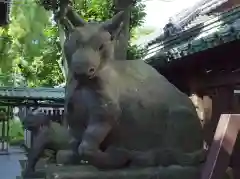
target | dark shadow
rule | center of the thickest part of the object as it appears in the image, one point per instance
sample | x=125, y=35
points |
x=4, y=13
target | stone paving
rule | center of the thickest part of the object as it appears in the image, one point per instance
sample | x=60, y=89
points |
x=9, y=164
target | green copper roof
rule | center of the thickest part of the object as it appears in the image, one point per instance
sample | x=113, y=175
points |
x=215, y=31
x=32, y=93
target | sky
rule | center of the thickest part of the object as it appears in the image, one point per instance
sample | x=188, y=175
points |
x=159, y=11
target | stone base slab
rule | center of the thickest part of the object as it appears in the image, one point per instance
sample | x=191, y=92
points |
x=89, y=172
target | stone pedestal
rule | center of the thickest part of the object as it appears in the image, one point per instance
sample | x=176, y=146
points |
x=64, y=156
x=89, y=172
x=54, y=171
x=40, y=170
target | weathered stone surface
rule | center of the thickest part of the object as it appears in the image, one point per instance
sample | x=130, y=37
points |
x=64, y=157
x=229, y=173
x=126, y=105
x=41, y=164
x=22, y=163
x=40, y=171
x=48, y=135
x=86, y=172
x=35, y=175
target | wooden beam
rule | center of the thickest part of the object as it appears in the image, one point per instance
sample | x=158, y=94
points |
x=211, y=81
x=222, y=147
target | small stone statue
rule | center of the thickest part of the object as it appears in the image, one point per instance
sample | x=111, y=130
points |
x=171, y=29
x=48, y=135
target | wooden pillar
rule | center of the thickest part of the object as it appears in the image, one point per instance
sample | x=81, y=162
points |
x=222, y=147
x=221, y=103
x=235, y=158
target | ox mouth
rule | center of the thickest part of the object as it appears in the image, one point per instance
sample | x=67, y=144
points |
x=91, y=76
x=83, y=76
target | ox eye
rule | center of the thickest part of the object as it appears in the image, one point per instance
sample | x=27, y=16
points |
x=100, y=48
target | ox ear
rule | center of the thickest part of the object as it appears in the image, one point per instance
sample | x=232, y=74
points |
x=74, y=18
x=114, y=25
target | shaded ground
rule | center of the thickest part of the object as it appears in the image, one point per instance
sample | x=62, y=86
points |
x=9, y=164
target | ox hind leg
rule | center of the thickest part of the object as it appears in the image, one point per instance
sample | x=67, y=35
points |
x=177, y=144
x=183, y=141
x=184, y=133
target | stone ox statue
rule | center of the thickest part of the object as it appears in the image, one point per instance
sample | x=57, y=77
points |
x=122, y=112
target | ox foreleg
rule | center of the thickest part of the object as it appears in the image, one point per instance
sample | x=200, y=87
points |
x=103, y=117
x=89, y=148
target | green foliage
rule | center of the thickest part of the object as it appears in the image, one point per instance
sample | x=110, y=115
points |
x=30, y=45
x=16, y=132
x=141, y=32
x=94, y=10
x=137, y=15
x=134, y=52
x=136, y=20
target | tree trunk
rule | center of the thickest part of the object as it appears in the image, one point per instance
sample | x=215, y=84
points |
x=121, y=43
x=62, y=62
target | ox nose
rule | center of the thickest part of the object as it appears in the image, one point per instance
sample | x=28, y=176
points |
x=83, y=70
x=91, y=72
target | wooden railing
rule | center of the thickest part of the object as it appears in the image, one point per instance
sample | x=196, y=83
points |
x=222, y=147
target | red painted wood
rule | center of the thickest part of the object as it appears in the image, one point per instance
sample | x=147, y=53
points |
x=222, y=147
